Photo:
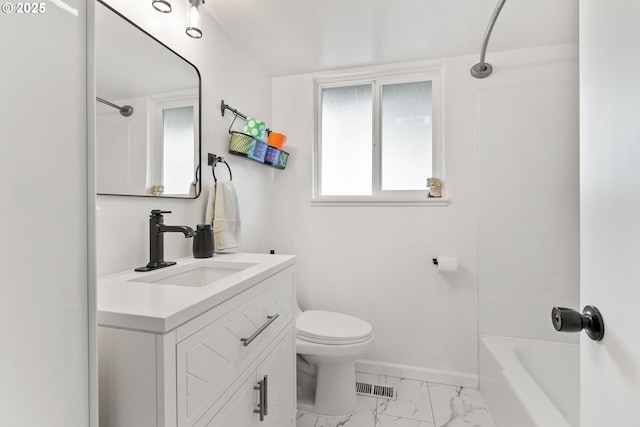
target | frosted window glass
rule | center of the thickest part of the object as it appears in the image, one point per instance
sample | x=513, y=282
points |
x=406, y=135
x=178, y=150
x=347, y=126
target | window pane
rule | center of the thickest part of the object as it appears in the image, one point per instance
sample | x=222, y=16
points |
x=346, y=154
x=178, y=150
x=406, y=135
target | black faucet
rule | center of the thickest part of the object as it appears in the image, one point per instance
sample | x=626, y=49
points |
x=156, y=239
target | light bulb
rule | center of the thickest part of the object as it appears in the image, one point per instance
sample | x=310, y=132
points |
x=163, y=6
x=193, y=19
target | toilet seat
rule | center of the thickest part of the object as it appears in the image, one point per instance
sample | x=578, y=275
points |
x=330, y=328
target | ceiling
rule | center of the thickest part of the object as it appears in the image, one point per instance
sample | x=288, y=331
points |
x=130, y=64
x=299, y=36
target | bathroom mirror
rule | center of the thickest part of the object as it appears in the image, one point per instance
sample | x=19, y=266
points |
x=147, y=113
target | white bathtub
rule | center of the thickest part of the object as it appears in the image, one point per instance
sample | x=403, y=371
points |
x=530, y=383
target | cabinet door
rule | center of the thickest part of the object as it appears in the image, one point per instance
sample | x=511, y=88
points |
x=238, y=412
x=280, y=368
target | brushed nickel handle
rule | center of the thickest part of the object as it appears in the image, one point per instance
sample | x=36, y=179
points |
x=266, y=394
x=261, y=402
x=271, y=319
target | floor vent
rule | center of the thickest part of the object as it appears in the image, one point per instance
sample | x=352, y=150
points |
x=376, y=390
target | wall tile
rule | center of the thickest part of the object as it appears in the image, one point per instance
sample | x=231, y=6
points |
x=528, y=231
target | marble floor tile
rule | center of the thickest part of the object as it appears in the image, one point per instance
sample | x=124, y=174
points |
x=304, y=419
x=365, y=416
x=413, y=399
x=458, y=406
x=419, y=404
x=389, y=421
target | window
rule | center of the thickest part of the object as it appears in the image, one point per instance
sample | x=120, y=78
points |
x=178, y=148
x=377, y=139
x=173, y=141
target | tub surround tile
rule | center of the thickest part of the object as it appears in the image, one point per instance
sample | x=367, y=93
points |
x=458, y=406
x=413, y=399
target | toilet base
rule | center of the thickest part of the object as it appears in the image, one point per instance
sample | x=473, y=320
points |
x=335, y=388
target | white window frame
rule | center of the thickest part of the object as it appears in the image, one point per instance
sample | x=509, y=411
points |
x=379, y=196
x=156, y=104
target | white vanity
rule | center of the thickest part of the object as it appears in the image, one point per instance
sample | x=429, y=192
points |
x=207, y=342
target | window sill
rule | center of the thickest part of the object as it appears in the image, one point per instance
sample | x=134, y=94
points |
x=369, y=201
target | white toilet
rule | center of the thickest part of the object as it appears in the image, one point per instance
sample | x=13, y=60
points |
x=328, y=344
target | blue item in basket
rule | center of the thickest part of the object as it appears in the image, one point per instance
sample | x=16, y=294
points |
x=282, y=160
x=272, y=155
x=259, y=150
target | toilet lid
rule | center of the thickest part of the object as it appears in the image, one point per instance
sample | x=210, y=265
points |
x=329, y=327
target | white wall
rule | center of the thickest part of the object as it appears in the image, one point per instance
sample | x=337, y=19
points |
x=229, y=74
x=375, y=262
x=528, y=242
x=45, y=285
x=609, y=198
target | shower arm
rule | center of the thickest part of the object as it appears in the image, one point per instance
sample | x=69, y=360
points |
x=125, y=110
x=484, y=69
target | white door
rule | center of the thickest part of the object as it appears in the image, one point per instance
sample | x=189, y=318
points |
x=610, y=208
x=44, y=298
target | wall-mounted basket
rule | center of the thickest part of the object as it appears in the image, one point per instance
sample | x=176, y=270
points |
x=245, y=145
x=242, y=144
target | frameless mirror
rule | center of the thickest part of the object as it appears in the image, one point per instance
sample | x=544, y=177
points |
x=147, y=113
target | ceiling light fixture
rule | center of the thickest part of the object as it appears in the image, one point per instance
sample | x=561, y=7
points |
x=163, y=6
x=193, y=19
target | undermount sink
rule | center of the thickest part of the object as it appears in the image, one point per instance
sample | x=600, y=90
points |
x=198, y=274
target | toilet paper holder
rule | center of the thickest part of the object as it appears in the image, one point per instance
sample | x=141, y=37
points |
x=446, y=265
x=569, y=320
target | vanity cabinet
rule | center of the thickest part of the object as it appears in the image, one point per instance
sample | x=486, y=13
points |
x=209, y=371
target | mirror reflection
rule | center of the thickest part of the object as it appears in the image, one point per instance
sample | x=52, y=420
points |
x=148, y=113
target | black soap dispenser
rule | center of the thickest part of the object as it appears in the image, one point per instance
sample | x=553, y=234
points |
x=203, y=241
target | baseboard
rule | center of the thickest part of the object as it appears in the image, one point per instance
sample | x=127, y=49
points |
x=417, y=373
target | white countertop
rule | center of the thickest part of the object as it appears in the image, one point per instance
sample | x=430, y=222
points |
x=124, y=302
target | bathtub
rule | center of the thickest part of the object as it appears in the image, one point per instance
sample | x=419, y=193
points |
x=528, y=383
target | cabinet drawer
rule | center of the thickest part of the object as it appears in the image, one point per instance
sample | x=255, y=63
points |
x=213, y=357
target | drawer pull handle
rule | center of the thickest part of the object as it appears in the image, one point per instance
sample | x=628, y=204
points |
x=261, y=401
x=265, y=386
x=271, y=319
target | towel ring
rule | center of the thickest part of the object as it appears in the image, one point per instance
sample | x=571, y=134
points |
x=213, y=161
